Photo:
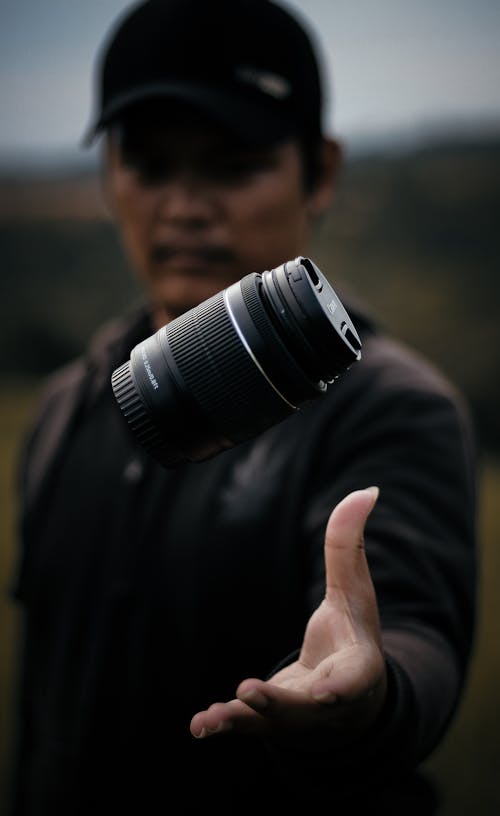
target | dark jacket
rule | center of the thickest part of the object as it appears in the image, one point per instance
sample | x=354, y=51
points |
x=151, y=593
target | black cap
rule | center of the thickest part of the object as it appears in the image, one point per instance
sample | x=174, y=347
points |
x=249, y=63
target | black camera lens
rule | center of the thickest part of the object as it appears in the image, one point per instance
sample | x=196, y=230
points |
x=238, y=363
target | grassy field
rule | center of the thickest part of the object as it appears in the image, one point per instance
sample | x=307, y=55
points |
x=16, y=406
x=465, y=767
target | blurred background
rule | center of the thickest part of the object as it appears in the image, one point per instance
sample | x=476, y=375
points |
x=413, y=94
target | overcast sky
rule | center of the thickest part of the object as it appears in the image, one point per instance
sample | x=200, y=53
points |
x=393, y=64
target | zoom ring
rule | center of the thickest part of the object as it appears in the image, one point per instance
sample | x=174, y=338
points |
x=225, y=380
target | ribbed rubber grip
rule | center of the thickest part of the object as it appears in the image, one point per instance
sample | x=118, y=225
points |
x=132, y=406
x=224, y=379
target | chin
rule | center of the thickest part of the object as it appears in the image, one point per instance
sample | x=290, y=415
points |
x=177, y=300
x=167, y=309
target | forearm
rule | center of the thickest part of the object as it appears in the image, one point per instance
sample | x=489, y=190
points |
x=429, y=682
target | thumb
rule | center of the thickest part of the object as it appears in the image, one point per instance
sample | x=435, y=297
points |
x=345, y=561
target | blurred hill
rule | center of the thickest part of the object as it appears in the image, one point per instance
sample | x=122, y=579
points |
x=413, y=235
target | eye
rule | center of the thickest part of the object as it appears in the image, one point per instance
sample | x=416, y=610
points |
x=149, y=169
x=237, y=168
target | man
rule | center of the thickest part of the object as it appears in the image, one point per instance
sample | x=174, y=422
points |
x=181, y=651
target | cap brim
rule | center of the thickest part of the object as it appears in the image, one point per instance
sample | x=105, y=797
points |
x=254, y=120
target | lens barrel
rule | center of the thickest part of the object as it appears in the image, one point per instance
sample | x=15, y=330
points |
x=238, y=363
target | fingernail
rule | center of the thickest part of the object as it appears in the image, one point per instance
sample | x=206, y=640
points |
x=374, y=491
x=202, y=734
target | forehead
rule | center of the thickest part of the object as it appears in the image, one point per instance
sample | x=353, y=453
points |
x=160, y=125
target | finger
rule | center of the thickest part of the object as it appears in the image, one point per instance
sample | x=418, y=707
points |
x=259, y=707
x=345, y=561
x=355, y=679
x=220, y=718
x=269, y=699
x=255, y=694
x=287, y=707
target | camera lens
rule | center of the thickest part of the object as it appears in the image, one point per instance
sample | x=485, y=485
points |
x=238, y=363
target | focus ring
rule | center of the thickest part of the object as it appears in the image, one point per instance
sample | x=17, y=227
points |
x=256, y=310
x=282, y=368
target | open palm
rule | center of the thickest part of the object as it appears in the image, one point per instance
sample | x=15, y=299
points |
x=338, y=681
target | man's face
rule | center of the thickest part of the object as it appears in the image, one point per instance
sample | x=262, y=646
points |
x=198, y=209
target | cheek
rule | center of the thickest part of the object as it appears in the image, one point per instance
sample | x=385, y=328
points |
x=132, y=214
x=271, y=224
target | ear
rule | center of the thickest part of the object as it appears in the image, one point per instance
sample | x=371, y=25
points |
x=320, y=197
x=106, y=159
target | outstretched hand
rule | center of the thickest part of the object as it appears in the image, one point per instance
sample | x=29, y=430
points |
x=339, y=681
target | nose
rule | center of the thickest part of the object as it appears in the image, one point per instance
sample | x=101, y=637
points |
x=185, y=201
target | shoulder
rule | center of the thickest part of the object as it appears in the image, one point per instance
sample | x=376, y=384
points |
x=391, y=364
x=393, y=373
x=394, y=399
x=395, y=366
x=408, y=384
x=60, y=383
x=64, y=393
x=93, y=366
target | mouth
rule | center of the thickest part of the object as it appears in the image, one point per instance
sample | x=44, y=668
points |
x=192, y=258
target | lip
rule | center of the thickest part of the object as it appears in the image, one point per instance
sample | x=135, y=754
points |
x=191, y=257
